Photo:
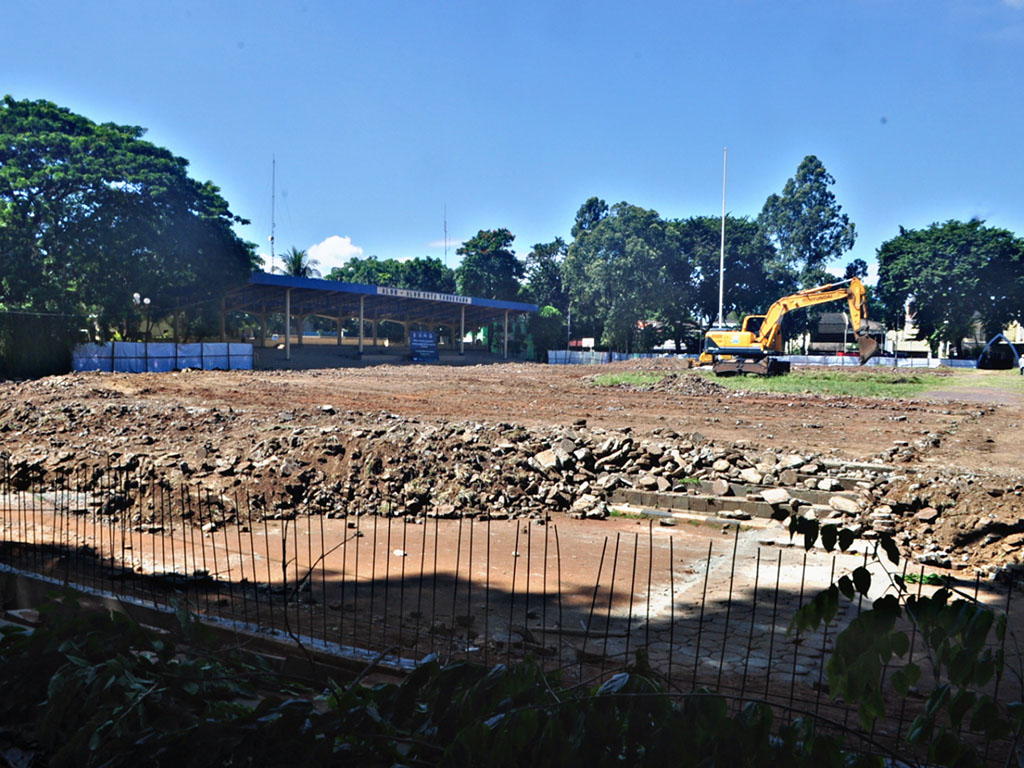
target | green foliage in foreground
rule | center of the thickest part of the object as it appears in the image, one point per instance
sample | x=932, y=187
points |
x=627, y=379
x=90, y=689
x=962, y=649
x=94, y=689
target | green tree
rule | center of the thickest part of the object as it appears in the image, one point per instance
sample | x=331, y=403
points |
x=616, y=273
x=856, y=268
x=544, y=275
x=749, y=286
x=673, y=310
x=369, y=271
x=955, y=275
x=489, y=267
x=547, y=327
x=806, y=224
x=426, y=274
x=91, y=213
x=296, y=262
x=589, y=216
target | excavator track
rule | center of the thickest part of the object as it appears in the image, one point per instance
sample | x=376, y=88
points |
x=766, y=366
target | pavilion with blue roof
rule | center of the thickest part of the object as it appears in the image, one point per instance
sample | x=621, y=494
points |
x=302, y=297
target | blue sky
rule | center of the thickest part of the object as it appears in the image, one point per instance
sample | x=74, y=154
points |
x=383, y=114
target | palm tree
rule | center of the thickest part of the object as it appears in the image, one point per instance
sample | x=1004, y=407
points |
x=298, y=264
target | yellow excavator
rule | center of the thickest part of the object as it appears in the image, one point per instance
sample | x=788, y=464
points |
x=755, y=346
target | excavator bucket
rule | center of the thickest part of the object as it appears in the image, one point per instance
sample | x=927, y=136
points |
x=868, y=348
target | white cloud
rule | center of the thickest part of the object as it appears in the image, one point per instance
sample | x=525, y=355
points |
x=333, y=252
x=872, y=276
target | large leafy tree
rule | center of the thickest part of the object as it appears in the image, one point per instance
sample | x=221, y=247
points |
x=296, y=262
x=91, y=213
x=617, y=273
x=428, y=274
x=489, y=267
x=806, y=224
x=954, y=276
x=673, y=304
x=544, y=275
x=589, y=216
x=856, y=268
x=749, y=285
x=370, y=271
x=544, y=286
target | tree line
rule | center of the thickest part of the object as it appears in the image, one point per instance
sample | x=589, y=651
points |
x=634, y=279
x=92, y=214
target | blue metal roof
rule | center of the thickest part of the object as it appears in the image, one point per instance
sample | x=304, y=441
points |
x=264, y=294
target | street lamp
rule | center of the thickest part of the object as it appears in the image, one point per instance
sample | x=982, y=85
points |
x=142, y=304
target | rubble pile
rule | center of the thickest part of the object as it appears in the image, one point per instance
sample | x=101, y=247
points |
x=687, y=385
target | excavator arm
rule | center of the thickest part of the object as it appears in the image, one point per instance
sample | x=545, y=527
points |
x=769, y=337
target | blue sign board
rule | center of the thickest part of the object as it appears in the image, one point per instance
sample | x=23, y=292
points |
x=424, y=346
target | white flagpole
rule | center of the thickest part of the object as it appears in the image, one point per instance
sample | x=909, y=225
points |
x=721, y=256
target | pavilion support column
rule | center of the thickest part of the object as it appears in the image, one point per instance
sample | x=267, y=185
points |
x=287, y=323
x=176, y=340
x=339, y=321
x=505, y=340
x=462, y=330
x=374, y=324
x=362, y=318
x=298, y=331
x=223, y=322
x=263, y=331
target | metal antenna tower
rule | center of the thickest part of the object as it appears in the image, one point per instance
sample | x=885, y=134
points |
x=721, y=255
x=273, y=203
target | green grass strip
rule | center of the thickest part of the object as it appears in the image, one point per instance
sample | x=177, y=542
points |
x=628, y=378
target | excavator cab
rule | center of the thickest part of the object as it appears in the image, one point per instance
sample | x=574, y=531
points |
x=752, y=324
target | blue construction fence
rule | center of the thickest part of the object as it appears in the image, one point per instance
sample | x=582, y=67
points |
x=159, y=357
x=586, y=357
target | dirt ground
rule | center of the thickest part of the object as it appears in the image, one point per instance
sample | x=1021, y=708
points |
x=542, y=395
x=966, y=441
x=710, y=603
